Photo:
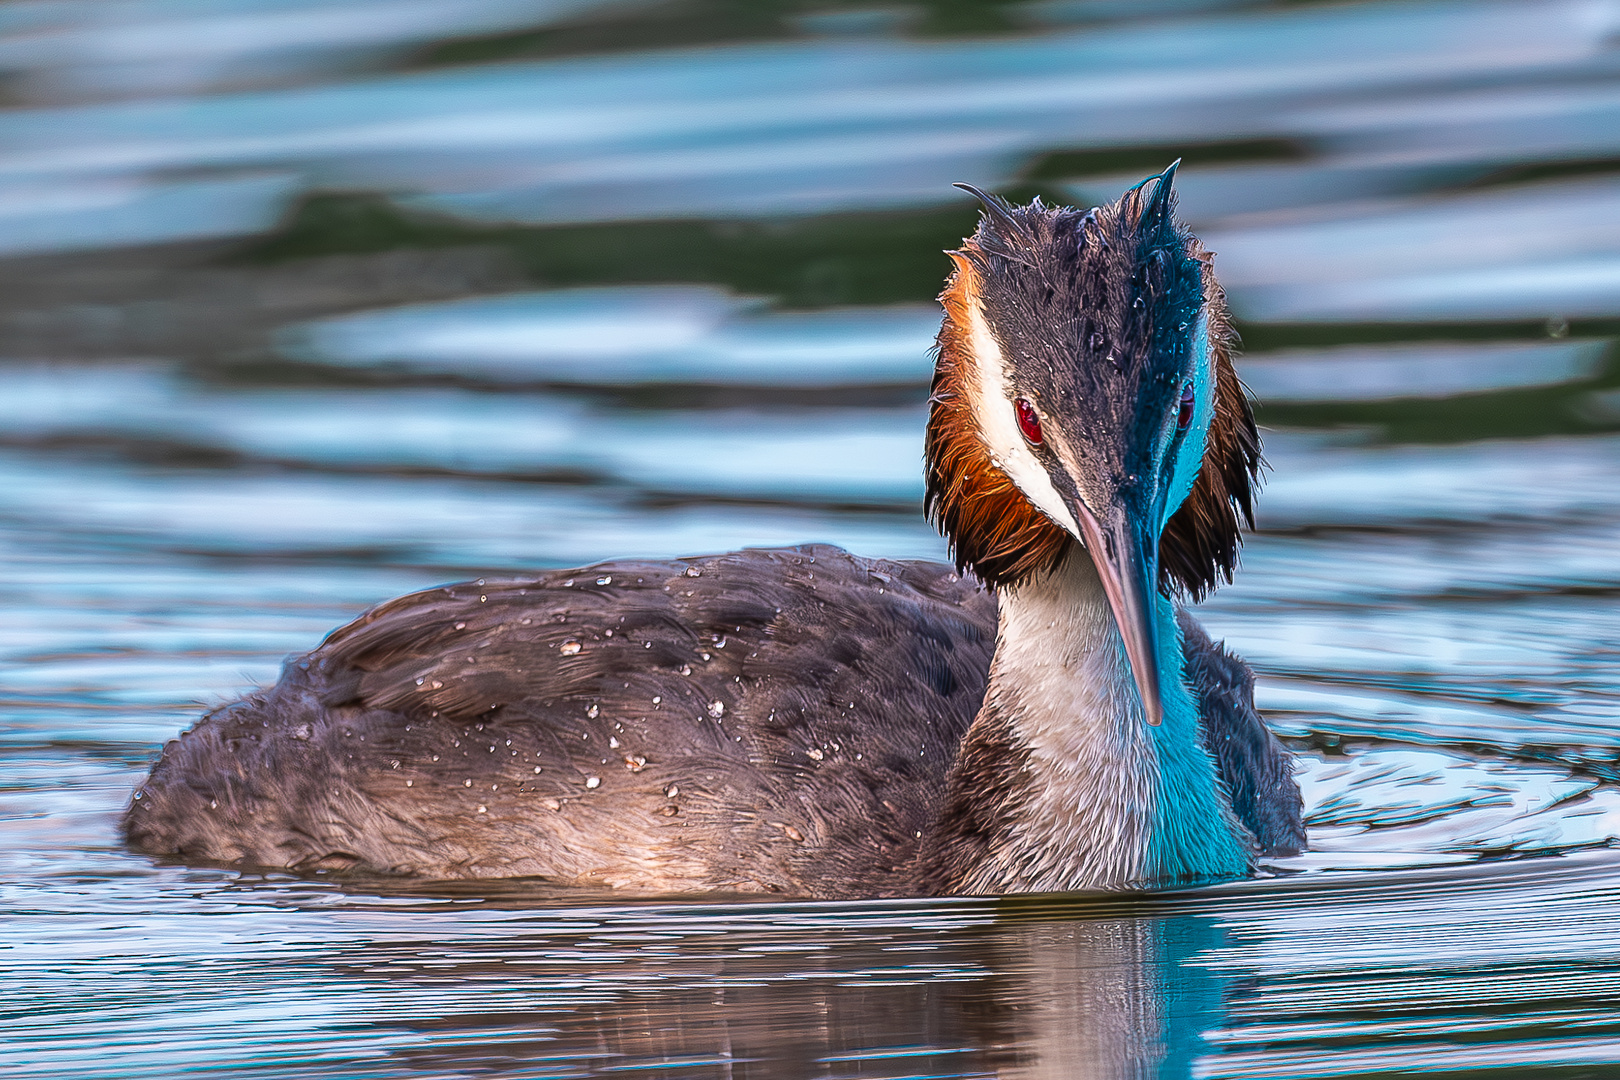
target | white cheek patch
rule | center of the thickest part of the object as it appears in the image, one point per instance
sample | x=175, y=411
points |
x=999, y=424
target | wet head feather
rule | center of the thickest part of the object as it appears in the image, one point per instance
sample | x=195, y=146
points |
x=1064, y=290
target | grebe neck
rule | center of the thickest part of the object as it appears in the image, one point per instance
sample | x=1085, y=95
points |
x=1061, y=783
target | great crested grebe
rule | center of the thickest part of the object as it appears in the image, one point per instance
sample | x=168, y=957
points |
x=807, y=722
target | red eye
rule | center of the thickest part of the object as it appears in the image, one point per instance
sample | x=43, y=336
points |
x=1184, y=418
x=1028, y=422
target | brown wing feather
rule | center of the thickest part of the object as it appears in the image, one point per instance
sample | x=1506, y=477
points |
x=764, y=720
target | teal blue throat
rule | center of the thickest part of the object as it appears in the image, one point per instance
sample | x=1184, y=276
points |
x=1194, y=836
x=1104, y=800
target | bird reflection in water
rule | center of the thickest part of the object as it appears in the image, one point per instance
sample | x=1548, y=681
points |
x=1038, y=991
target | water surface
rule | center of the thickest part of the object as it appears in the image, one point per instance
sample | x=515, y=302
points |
x=304, y=306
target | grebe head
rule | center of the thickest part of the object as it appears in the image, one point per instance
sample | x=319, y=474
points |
x=1085, y=393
